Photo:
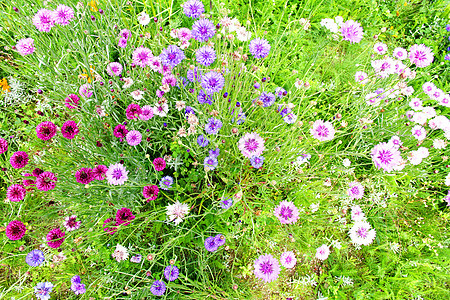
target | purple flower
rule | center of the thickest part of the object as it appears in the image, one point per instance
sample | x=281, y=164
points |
x=142, y=57
x=259, y=48
x=63, y=14
x=268, y=99
x=266, y=268
x=355, y=190
x=210, y=162
x=205, y=55
x=214, y=153
x=166, y=183
x=43, y=290
x=134, y=137
x=136, y=258
x=171, y=273
x=220, y=239
x=125, y=33
x=226, y=203
x=204, y=98
x=257, y=161
x=15, y=230
x=117, y=174
x=124, y=216
x=211, y=244
x=203, y=29
x=34, y=258
x=420, y=55
x=352, y=31
x=44, y=20
x=46, y=181
x=122, y=43
x=447, y=57
x=69, y=129
x=19, y=159
x=323, y=131
x=25, y=46
x=290, y=118
x=77, y=287
x=193, y=8
x=280, y=92
x=16, y=192
x=386, y=156
x=213, y=126
x=158, y=288
x=286, y=212
x=202, y=141
x=194, y=75
x=212, y=82
x=172, y=56
x=46, y=130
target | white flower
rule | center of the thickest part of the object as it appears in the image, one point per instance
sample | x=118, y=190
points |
x=143, y=19
x=128, y=81
x=322, y=252
x=121, y=253
x=447, y=180
x=314, y=207
x=336, y=244
x=362, y=234
x=137, y=95
x=177, y=211
x=439, y=144
x=419, y=132
x=180, y=105
x=161, y=109
x=242, y=34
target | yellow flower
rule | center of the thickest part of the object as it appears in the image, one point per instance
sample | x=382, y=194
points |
x=4, y=85
x=86, y=76
x=93, y=5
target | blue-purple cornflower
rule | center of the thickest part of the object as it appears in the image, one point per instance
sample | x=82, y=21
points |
x=43, y=289
x=213, y=126
x=226, y=203
x=193, y=8
x=166, y=183
x=189, y=110
x=212, y=82
x=171, y=273
x=158, y=288
x=211, y=244
x=220, y=239
x=447, y=57
x=447, y=27
x=35, y=258
x=210, y=162
x=202, y=141
x=283, y=110
x=280, y=92
x=205, y=55
x=77, y=287
x=267, y=99
x=172, y=55
x=136, y=258
x=290, y=118
x=257, y=161
x=259, y=48
x=215, y=152
x=181, y=81
x=203, y=29
x=203, y=98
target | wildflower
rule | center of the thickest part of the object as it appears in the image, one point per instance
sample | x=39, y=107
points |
x=257, y=161
x=447, y=57
x=120, y=253
x=120, y=131
x=147, y=113
x=143, y=19
x=211, y=244
x=361, y=77
x=267, y=99
x=166, y=183
x=127, y=82
x=351, y=31
x=19, y=159
x=177, y=211
x=55, y=238
x=16, y=192
x=71, y=223
x=63, y=14
x=110, y=230
x=251, y=144
x=202, y=141
x=259, y=48
x=25, y=46
x=439, y=144
x=400, y=53
x=322, y=252
x=288, y=259
x=194, y=74
x=69, y=129
x=447, y=180
x=114, y=69
x=77, y=287
x=72, y=101
x=226, y=203
x=220, y=239
x=136, y=258
x=159, y=163
x=205, y=55
x=44, y=20
x=46, y=130
x=150, y=192
x=172, y=55
x=355, y=190
x=124, y=216
x=43, y=290
x=84, y=175
x=266, y=268
x=322, y=131
x=212, y=82
x=193, y=8
x=203, y=29
x=362, y=234
x=3, y=146
x=214, y=153
x=203, y=98
x=46, y=181
x=346, y=162
x=213, y=126
x=161, y=109
x=171, y=273
x=15, y=230
x=34, y=258
x=420, y=55
x=158, y=288
x=134, y=138
x=286, y=212
x=117, y=174
x=419, y=132
x=142, y=57
x=385, y=156
x=133, y=111
x=447, y=198
x=99, y=172
x=357, y=214
x=210, y=162
x=184, y=34
x=380, y=48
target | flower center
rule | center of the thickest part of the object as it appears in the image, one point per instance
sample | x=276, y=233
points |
x=322, y=130
x=117, y=174
x=362, y=232
x=286, y=212
x=266, y=267
x=385, y=156
x=251, y=145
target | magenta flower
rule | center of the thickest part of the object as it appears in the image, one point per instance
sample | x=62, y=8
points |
x=46, y=181
x=352, y=31
x=16, y=192
x=125, y=33
x=323, y=131
x=251, y=144
x=71, y=223
x=15, y=230
x=420, y=55
x=386, y=156
x=120, y=131
x=46, y=130
x=3, y=146
x=63, y=14
x=69, y=129
x=134, y=138
x=133, y=111
x=55, y=238
x=122, y=43
x=109, y=230
x=43, y=20
x=355, y=190
x=19, y=159
x=159, y=163
x=25, y=46
x=86, y=90
x=286, y=212
x=142, y=57
x=147, y=113
x=150, y=192
x=124, y=216
x=266, y=268
x=99, y=172
x=288, y=259
x=84, y=175
x=114, y=69
x=72, y=101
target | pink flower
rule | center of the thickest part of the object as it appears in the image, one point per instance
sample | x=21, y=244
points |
x=150, y=192
x=421, y=55
x=16, y=192
x=19, y=159
x=286, y=212
x=72, y=101
x=288, y=259
x=133, y=111
x=266, y=268
x=46, y=130
x=386, y=156
x=159, y=163
x=25, y=46
x=55, y=238
x=322, y=252
x=114, y=69
x=15, y=230
x=69, y=129
x=63, y=14
x=147, y=113
x=251, y=144
x=355, y=191
x=323, y=131
x=44, y=20
x=46, y=181
x=352, y=31
x=142, y=57
x=380, y=48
